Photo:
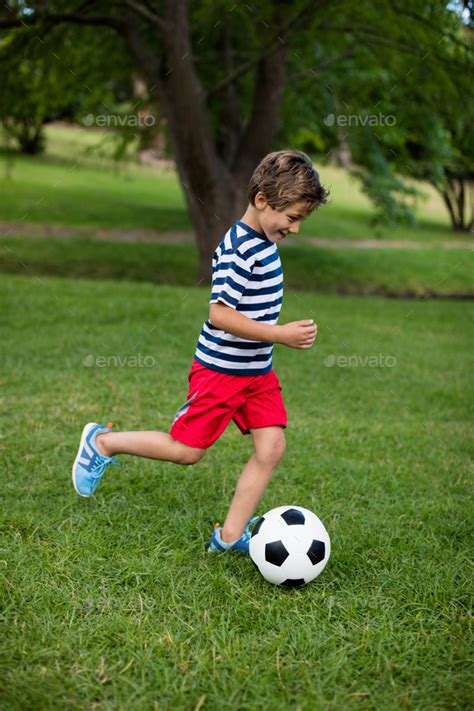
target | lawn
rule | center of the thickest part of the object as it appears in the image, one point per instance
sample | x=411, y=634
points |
x=395, y=272
x=113, y=603
x=76, y=183
x=48, y=190
x=77, y=187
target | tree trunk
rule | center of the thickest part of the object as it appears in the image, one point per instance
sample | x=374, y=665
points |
x=28, y=134
x=257, y=139
x=342, y=153
x=454, y=196
x=214, y=177
x=211, y=221
x=214, y=191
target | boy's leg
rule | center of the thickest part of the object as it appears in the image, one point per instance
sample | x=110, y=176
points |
x=269, y=445
x=152, y=445
x=98, y=444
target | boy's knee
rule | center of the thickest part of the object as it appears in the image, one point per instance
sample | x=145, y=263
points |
x=279, y=448
x=272, y=450
x=190, y=455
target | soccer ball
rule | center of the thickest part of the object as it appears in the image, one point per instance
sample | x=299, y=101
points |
x=289, y=546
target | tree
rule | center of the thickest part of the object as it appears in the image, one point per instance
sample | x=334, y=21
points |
x=395, y=115
x=440, y=150
x=37, y=85
x=431, y=139
x=32, y=90
x=219, y=70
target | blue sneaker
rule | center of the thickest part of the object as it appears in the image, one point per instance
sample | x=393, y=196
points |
x=90, y=465
x=217, y=545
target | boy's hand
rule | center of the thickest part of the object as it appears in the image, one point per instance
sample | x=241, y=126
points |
x=298, y=334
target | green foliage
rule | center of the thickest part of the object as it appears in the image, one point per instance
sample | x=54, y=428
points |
x=382, y=185
x=308, y=141
x=410, y=60
x=32, y=90
x=52, y=75
x=393, y=85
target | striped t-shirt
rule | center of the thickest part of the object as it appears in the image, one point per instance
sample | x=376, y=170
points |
x=247, y=276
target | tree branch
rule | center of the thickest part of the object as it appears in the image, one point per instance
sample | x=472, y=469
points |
x=148, y=63
x=258, y=136
x=231, y=125
x=146, y=13
x=348, y=54
x=372, y=37
x=56, y=19
x=438, y=30
x=273, y=43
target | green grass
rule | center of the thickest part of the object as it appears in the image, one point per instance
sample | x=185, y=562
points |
x=112, y=603
x=42, y=191
x=77, y=183
x=90, y=146
x=418, y=272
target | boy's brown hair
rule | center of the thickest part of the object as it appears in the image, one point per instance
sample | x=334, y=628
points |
x=287, y=177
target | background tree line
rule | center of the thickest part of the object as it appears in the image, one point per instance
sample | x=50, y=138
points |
x=385, y=91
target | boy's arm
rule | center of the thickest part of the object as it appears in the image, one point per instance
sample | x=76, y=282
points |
x=297, y=334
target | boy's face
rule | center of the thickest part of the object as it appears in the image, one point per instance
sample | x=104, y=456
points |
x=277, y=224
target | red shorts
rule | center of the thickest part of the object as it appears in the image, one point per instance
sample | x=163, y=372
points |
x=214, y=399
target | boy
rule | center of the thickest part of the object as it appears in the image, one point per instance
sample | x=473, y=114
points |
x=232, y=376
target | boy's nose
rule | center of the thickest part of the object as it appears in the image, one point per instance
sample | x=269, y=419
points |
x=294, y=229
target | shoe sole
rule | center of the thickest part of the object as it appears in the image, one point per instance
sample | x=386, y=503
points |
x=226, y=550
x=83, y=437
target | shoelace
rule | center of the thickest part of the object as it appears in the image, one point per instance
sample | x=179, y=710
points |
x=101, y=465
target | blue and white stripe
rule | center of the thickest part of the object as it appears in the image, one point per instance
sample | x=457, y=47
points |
x=247, y=276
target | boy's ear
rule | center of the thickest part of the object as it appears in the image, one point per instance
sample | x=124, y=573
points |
x=260, y=201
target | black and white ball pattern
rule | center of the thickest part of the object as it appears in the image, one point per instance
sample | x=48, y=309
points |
x=289, y=546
